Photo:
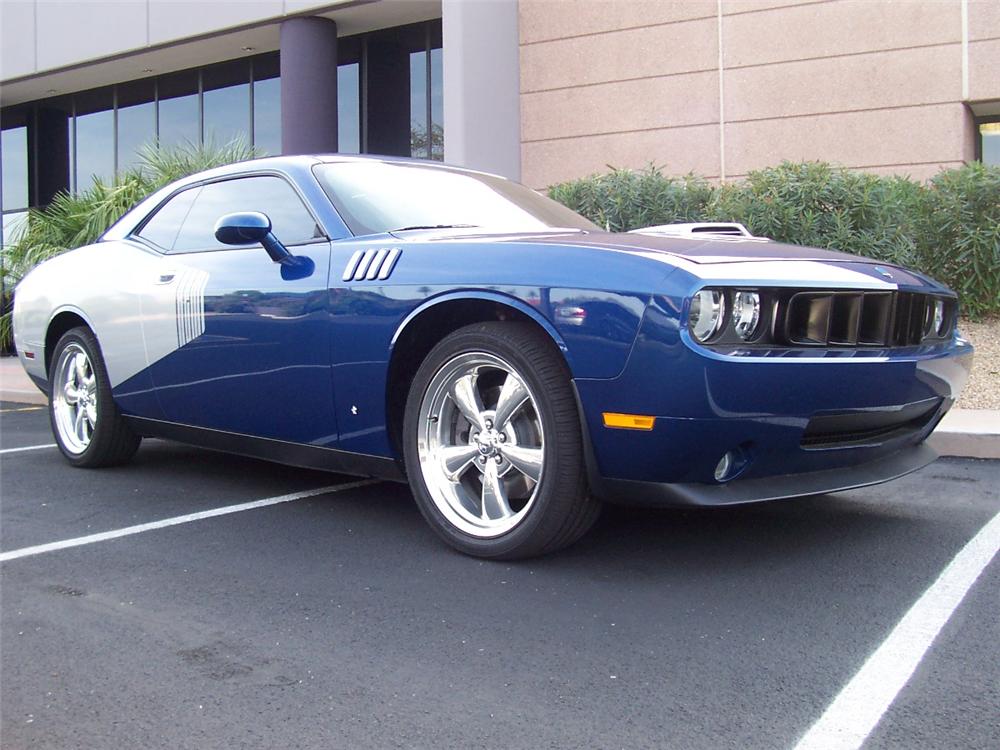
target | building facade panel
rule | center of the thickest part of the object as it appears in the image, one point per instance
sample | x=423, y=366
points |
x=927, y=135
x=543, y=20
x=837, y=28
x=177, y=19
x=645, y=104
x=620, y=55
x=898, y=78
x=17, y=39
x=733, y=7
x=676, y=150
x=984, y=70
x=984, y=19
x=69, y=32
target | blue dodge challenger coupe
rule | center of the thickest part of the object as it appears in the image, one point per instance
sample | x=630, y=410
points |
x=511, y=360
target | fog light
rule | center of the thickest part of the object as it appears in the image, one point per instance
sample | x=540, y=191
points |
x=722, y=468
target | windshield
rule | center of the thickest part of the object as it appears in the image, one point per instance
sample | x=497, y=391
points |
x=374, y=197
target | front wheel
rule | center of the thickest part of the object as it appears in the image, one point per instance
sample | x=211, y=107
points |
x=493, y=444
x=87, y=425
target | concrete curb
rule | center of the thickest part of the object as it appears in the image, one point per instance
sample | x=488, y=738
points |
x=964, y=433
x=968, y=433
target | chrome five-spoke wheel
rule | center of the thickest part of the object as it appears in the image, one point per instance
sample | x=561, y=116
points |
x=74, y=401
x=481, y=444
x=86, y=422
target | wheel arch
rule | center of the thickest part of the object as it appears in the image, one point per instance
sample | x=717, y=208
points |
x=429, y=323
x=64, y=319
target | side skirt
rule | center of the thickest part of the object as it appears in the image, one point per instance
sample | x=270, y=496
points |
x=292, y=454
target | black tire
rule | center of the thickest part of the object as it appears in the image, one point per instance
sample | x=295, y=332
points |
x=562, y=508
x=111, y=440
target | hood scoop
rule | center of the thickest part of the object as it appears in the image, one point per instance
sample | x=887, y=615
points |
x=712, y=230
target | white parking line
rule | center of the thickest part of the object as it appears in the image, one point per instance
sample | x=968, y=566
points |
x=201, y=515
x=858, y=708
x=28, y=448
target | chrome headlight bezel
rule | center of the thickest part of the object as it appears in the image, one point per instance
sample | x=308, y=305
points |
x=746, y=314
x=704, y=329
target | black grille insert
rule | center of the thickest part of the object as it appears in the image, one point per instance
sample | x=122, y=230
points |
x=870, y=427
x=863, y=318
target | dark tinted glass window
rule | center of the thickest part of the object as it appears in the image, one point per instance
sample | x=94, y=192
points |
x=136, y=120
x=178, y=109
x=290, y=221
x=989, y=132
x=226, y=102
x=267, y=104
x=162, y=229
x=14, y=163
x=374, y=196
x=95, y=137
x=349, y=109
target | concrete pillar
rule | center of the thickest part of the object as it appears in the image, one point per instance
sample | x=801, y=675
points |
x=482, y=86
x=308, y=85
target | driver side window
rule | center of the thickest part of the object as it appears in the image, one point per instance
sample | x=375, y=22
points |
x=187, y=222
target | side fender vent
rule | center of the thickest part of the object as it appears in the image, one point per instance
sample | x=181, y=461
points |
x=369, y=265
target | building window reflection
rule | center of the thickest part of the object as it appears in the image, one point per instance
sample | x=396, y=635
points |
x=226, y=103
x=426, y=102
x=266, y=105
x=14, y=155
x=349, y=108
x=136, y=112
x=989, y=141
x=94, y=135
x=178, y=109
x=64, y=142
x=14, y=188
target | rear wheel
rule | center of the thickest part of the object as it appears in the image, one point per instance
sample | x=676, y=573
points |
x=493, y=446
x=87, y=425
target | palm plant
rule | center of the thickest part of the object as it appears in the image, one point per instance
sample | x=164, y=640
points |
x=75, y=219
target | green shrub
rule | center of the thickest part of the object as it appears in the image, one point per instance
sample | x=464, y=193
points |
x=623, y=199
x=958, y=235
x=821, y=205
x=948, y=228
x=72, y=220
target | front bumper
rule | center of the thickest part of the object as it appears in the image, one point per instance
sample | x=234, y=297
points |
x=796, y=425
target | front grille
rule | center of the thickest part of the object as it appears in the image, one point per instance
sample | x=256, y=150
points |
x=866, y=428
x=862, y=318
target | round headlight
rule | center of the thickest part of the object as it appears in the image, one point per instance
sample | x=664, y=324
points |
x=746, y=314
x=707, y=311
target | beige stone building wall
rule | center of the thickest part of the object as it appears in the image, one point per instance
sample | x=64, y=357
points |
x=721, y=87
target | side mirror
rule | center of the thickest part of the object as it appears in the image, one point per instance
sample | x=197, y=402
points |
x=248, y=228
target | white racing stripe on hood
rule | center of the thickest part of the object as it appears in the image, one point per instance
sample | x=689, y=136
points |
x=779, y=273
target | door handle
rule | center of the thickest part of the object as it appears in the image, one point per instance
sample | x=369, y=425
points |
x=165, y=278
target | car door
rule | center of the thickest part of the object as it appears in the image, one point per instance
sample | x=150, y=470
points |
x=235, y=342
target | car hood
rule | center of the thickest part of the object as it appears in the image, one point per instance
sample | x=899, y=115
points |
x=699, y=250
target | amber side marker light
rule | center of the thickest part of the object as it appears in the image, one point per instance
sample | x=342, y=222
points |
x=628, y=421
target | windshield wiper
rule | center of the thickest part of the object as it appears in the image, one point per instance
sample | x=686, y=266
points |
x=435, y=226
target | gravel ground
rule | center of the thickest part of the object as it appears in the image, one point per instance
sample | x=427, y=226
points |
x=983, y=389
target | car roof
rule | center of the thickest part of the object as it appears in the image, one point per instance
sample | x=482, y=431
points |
x=291, y=166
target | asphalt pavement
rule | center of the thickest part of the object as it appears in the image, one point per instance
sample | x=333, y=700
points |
x=339, y=621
